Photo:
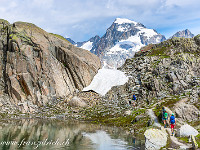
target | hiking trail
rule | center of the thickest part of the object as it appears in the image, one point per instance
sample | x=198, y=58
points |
x=173, y=139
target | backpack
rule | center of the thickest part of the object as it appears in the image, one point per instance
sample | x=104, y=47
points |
x=165, y=115
x=134, y=97
x=172, y=119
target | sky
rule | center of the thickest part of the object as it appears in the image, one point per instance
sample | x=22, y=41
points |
x=83, y=19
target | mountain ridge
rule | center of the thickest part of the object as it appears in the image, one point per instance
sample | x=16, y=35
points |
x=122, y=39
x=184, y=33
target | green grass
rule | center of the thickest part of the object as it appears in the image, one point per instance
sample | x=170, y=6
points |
x=184, y=139
x=155, y=63
x=161, y=51
x=3, y=115
x=198, y=140
x=110, y=117
x=59, y=36
x=4, y=21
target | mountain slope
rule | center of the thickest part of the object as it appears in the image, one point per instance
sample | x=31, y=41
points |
x=166, y=71
x=185, y=33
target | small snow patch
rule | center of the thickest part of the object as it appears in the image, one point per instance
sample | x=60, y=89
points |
x=105, y=79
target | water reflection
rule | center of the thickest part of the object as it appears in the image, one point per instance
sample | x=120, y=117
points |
x=60, y=135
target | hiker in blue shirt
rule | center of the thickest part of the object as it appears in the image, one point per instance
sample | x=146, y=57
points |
x=134, y=97
x=134, y=100
x=173, y=123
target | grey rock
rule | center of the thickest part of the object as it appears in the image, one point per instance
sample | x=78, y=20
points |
x=197, y=39
x=138, y=117
x=187, y=112
x=185, y=33
x=155, y=139
x=77, y=102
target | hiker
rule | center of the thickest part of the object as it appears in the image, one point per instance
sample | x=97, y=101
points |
x=134, y=97
x=173, y=123
x=165, y=118
x=134, y=100
x=163, y=112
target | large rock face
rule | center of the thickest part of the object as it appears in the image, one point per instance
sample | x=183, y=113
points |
x=37, y=66
x=3, y=47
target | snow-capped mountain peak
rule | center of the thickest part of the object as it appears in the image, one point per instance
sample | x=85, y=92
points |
x=121, y=40
x=124, y=21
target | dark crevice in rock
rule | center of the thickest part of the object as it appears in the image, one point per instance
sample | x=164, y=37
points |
x=64, y=59
x=58, y=54
x=72, y=73
x=5, y=49
x=24, y=85
x=79, y=78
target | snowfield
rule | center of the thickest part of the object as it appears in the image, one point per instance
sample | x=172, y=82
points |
x=87, y=45
x=105, y=79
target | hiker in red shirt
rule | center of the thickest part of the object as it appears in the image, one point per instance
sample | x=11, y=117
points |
x=173, y=123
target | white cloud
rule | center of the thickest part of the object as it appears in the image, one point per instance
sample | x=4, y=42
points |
x=42, y=3
x=81, y=19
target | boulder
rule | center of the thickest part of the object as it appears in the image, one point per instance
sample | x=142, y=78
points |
x=197, y=39
x=187, y=112
x=77, y=102
x=187, y=130
x=27, y=107
x=155, y=139
x=128, y=112
x=138, y=117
